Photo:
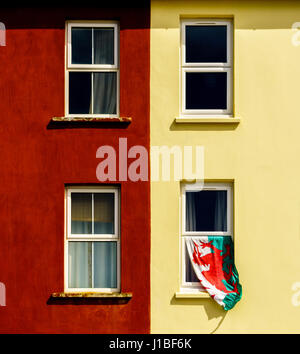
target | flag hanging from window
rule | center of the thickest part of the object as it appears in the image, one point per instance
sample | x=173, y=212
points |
x=213, y=262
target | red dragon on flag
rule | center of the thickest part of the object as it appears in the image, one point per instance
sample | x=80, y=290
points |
x=213, y=262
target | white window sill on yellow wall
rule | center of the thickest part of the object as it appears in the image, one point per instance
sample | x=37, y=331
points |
x=192, y=295
x=214, y=120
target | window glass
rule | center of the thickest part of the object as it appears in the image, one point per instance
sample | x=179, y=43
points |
x=206, y=211
x=80, y=265
x=104, y=213
x=206, y=44
x=105, y=264
x=81, y=45
x=105, y=92
x=104, y=46
x=79, y=92
x=92, y=264
x=81, y=213
x=190, y=275
x=93, y=69
x=206, y=90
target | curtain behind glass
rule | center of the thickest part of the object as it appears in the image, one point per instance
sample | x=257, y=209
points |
x=191, y=216
x=92, y=263
x=105, y=264
x=105, y=92
x=104, y=46
x=80, y=265
x=81, y=213
x=206, y=211
x=104, y=213
x=221, y=211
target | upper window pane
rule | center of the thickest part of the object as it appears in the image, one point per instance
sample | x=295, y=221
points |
x=81, y=45
x=92, y=213
x=205, y=44
x=93, y=45
x=104, y=213
x=104, y=46
x=206, y=211
x=81, y=213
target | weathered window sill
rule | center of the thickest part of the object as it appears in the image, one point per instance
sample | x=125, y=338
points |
x=88, y=122
x=198, y=295
x=91, y=119
x=208, y=120
x=89, y=298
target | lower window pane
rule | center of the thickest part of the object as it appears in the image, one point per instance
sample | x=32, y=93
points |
x=80, y=93
x=92, y=264
x=206, y=90
x=105, y=264
x=105, y=91
x=190, y=275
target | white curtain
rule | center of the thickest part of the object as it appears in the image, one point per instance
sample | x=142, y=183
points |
x=105, y=264
x=80, y=264
x=103, y=45
x=105, y=90
x=104, y=213
x=81, y=213
x=104, y=83
x=82, y=220
x=92, y=264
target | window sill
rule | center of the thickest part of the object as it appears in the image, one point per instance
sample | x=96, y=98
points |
x=191, y=295
x=89, y=298
x=91, y=119
x=89, y=122
x=209, y=120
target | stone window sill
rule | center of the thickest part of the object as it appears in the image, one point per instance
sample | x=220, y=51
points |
x=89, y=298
x=88, y=122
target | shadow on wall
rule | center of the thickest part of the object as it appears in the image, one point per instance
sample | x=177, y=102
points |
x=248, y=14
x=55, y=16
x=212, y=309
x=203, y=126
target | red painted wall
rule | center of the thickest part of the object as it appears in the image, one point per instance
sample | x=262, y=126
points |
x=39, y=159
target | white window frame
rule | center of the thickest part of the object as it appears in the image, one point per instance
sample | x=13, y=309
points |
x=69, y=237
x=208, y=186
x=69, y=67
x=207, y=67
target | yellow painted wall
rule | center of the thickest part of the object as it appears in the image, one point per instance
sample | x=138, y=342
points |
x=261, y=155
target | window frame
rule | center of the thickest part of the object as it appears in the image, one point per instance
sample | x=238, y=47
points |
x=116, y=237
x=207, y=67
x=186, y=286
x=92, y=68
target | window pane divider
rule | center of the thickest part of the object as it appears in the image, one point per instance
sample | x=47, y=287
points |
x=93, y=216
x=93, y=264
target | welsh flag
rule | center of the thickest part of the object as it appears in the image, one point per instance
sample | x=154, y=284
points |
x=213, y=262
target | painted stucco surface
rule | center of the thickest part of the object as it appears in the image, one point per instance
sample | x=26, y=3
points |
x=260, y=155
x=39, y=158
